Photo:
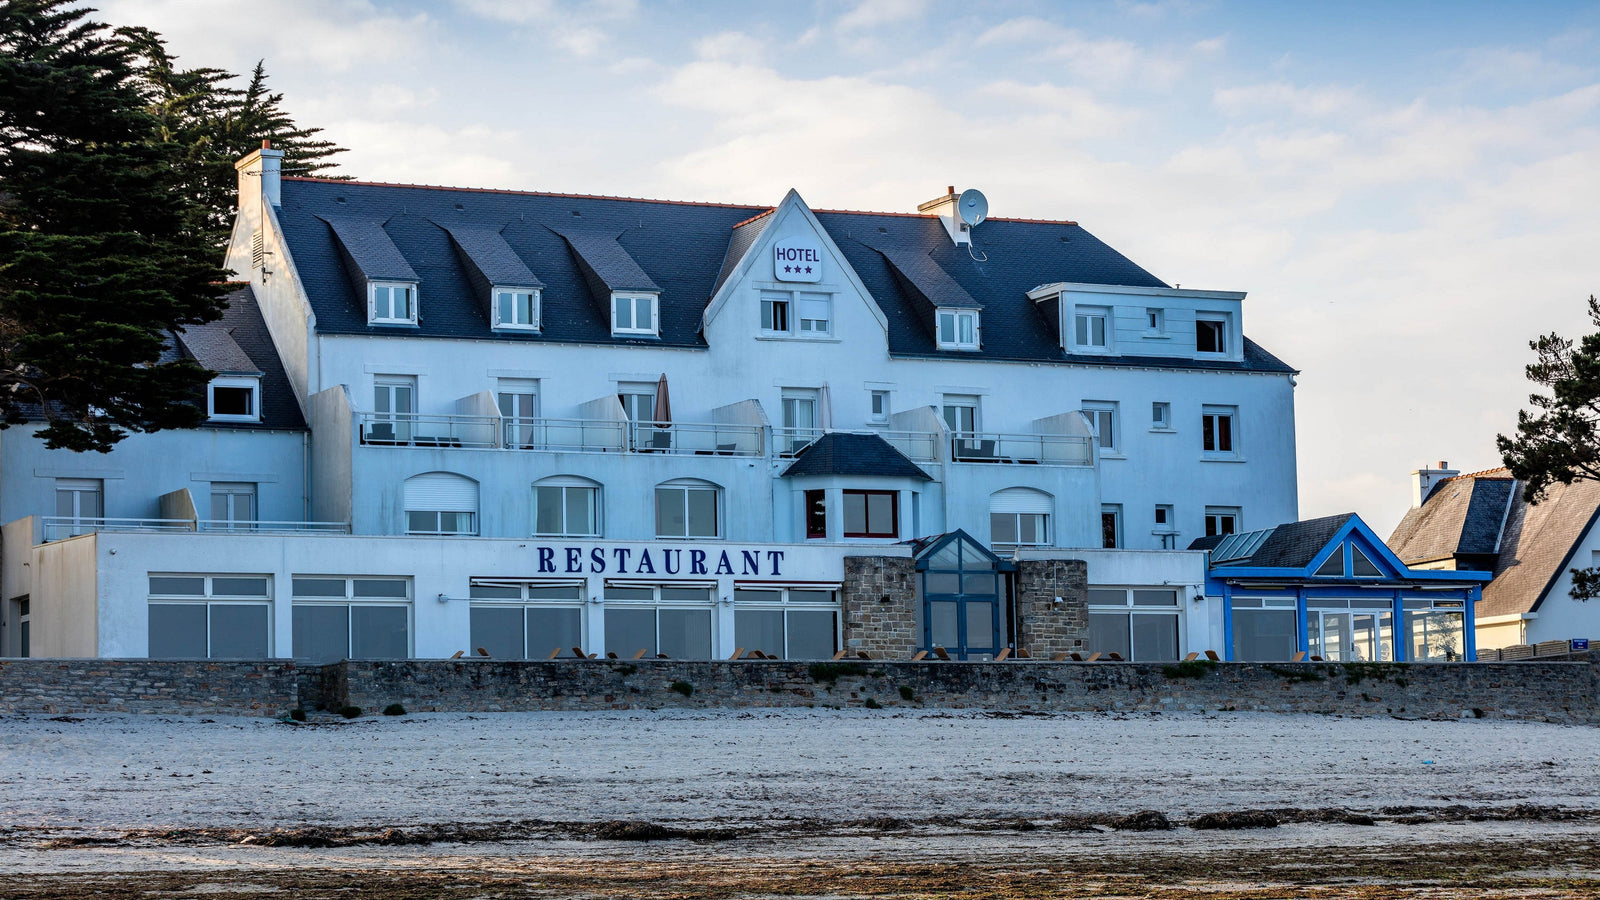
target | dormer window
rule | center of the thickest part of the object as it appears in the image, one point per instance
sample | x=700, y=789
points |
x=958, y=329
x=1211, y=335
x=1089, y=329
x=391, y=303
x=634, y=314
x=234, y=398
x=516, y=309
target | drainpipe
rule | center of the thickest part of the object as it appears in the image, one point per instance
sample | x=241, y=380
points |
x=305, y=476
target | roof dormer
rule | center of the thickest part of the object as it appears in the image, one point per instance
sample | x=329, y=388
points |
x=375, y=264
x=630, y=298
x=507, y=290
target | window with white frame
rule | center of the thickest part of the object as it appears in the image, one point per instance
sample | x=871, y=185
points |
x=961, y=413
x=688, y=509
x=391, y=303
x=1138, y=624
x=1111, y=526
x=1160, y=416
x=635, y=313
x=1090, y=331
x=958, y=329
x=1019, y=517
x=210, y=617
x=1155, y=321
x=788, y=623
x=1166, y=530
x=566, y=506
x=518, y=402
x=351, y=618
x=815, y=314
x=878, y=407
x=531, y=620
x=1222, y=520
x=1264, y=629
x=516, y=309
x=775, y=309
x=1102, y=415
x=233, y=503
x=441, y=503
x=1219, y=433
x=234, y=398
x=1211, y=334
x=660, y=620
x=798, y=408
x=394, y=409
x=81, y=501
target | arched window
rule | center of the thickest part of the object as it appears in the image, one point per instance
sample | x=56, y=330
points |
x=441, y=503
x=566, y=506
x=1020, y=517
x=686, y=508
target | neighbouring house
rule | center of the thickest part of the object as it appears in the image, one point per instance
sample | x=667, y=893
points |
x=1480, y=521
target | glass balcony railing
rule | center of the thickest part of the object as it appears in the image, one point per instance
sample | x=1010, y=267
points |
x=59, y=527
x=1033, y=449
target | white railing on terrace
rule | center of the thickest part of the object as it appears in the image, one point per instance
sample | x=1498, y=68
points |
x=918, y=446
x=58, y=527
x=789, y=441
x=582, y=435
x=416, y=430
x=1034, y=449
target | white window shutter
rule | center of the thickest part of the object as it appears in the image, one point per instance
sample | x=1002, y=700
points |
x=441, y=492
x=1021, y=500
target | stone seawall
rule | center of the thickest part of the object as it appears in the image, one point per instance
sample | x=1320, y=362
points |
x=1556, y=691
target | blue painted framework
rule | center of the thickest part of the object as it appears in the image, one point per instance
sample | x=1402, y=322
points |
x=1398, y=580
x=998, y=601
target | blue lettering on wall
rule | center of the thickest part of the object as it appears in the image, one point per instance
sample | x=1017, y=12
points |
x=645, y=565
x=776, y=556
x=574, y=559
x=724, y=564
x=547, y=559
x=622, y=554
x=752, y=561
x=597, y=560
x=697, y=562
x=673, y=560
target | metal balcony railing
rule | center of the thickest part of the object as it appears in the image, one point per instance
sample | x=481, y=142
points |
x=1034, y=449
x=416, y=430
x=59, y=527
x=790, y=441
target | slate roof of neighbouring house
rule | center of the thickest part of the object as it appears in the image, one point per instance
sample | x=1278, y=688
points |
x=242, y=330
x=686, y=250
x=1291, y=545
x=841, y=453
x=1485, y=514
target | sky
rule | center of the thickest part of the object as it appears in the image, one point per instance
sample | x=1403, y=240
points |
x=1407, y=191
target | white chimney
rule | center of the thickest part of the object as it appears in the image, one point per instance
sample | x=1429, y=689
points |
x=946, y=208
x=260, y=171
x=1424, y=479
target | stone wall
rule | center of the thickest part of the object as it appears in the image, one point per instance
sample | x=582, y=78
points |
x=1045, y=627
x=174, y=687
x=1539, y=691
x=880, y=606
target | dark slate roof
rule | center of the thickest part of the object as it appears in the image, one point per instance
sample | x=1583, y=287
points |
x=923, y=276
x=1291, y=545
x=212, y=345
x=1484, y=514
x=368, y=251
x=842, y=453
x=686, y=250
x=491, y=258
x=243, y=324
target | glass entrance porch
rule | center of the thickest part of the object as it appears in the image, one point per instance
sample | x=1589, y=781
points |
x=961, y=598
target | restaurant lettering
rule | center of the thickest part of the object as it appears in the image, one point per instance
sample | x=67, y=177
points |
x=681, y=562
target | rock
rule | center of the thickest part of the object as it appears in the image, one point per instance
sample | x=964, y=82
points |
x=1239, y=818
x=1143, y=820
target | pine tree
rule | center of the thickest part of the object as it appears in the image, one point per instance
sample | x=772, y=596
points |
x=104, y=250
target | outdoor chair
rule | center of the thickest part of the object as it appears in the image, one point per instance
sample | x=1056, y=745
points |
x=612, y=654
x=940, y=652
x=862, y=654
x=1212, y=655
x=1192, y=657
x=1059, y=657
x=1299, y=656
x=921, y=655
x=554, y=653
x=458, y=654
x=483, y=653
x=578, y=652
x=380, y=433
x=839, y=654
x=1003, y=655
x=737, y=653
x=1114, y=656
x=641, y=653
x=1093, y=657
x=1075, y=656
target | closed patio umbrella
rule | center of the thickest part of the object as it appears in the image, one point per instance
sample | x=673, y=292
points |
x=825, y=408
x=663, y=410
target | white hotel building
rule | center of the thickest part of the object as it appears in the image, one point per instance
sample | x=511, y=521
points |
x=447, y=419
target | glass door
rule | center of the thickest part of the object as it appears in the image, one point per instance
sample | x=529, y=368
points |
x=639, y=405
x=1345, y=636
x=394, y=407
x=519, y=407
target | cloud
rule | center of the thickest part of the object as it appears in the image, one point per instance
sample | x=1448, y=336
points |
x=582, y=29
x=730, y=46
x=1279, y=96
x=1093, y=60
x=876, y=13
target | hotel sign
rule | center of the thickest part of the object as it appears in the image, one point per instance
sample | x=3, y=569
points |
x=797, y=259
x=680, y=562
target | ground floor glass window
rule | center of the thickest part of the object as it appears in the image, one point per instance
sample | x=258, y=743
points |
x=789, y=624
x=674, y=622
x=1264, y=630
x=1435, y=631
x=526, y=621
x=1135, y=623
x=351, y=618
x=210, y=617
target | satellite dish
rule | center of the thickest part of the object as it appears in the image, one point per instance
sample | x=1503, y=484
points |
x=973, y=207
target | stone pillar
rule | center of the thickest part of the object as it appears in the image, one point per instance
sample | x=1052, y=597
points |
x=879, y=601
x=1045, y=627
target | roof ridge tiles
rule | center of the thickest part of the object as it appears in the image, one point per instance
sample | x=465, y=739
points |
x=1482, y=472
x=753, y=218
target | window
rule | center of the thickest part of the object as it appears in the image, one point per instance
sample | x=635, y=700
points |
x=391, y=304
x=209, y=617
x=394, y=408
x=441, y=503
x=1137, y=624
x=1166, y=530
x=675, y=622
x=234, y=398
x=790, y=624
x=1155, y=321
x=233, y=503
x=1103, y=418
x=525, y=621
x=775, y=311
x=351, y=618
x=871, y=514
x=815, y=314
x=687, y=509
x=878, y=408
x=1089, y=328
x=516, y=309
x=1019, y=517
x=82, y=501
x=1218, y=436
x=1263, y=630
x=798, y=407
x=1361, y=566
x=1222, y=520
x=518, y=401
x=958, y=329
x=1161, y=416
x=1211, y=336
x=961, y=413
x=816, y=514
x=566, y=507
x=633, y=314
x=1111, y=526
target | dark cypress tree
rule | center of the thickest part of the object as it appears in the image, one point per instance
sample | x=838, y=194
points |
x=103, y=249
